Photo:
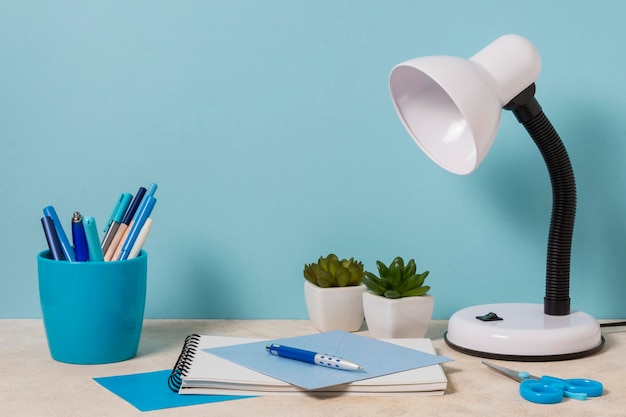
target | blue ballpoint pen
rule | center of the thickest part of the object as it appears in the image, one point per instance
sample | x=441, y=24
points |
x=151, y=189
x=91, y=233
x=79, y=238
x=68, y=250
x=315, y=358
x=142, y=216
x=52, y=238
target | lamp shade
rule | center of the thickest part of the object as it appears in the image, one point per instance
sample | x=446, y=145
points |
x=452, y=106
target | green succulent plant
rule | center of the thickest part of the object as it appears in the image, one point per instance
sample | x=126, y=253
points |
x=397, y=280
x=329, y=271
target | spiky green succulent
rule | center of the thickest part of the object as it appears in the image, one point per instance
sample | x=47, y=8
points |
x=329, y=271
x=397, y=280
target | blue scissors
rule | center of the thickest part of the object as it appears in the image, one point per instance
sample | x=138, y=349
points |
x=548, y=389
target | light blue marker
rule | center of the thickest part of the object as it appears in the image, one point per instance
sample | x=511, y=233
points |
x=93, y=242
x=114, y=221
x=113, y=213
x=142, y=215
x=67, y=248
x=122, y=207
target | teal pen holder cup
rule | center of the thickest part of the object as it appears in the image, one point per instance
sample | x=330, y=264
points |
x=92, y=311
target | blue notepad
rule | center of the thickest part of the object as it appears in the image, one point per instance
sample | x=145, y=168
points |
x=377, y=357
x=149, y=391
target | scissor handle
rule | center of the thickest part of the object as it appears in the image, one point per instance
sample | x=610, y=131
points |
x=540, y=392
x=551, y=390
x=589, y=387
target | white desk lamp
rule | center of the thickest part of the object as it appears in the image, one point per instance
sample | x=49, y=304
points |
x=451, y=108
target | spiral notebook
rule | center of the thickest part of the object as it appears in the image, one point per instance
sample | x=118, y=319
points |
x=220, y=365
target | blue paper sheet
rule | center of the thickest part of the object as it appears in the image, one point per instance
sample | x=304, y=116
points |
x=376, y=356
x=149, y=391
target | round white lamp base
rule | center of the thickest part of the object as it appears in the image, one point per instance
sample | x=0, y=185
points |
x=524, y=333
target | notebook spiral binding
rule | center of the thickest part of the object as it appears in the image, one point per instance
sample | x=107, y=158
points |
x=190, y=347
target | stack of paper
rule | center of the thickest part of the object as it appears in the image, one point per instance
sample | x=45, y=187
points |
x=242, y=366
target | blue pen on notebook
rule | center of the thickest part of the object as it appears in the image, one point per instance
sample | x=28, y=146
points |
x=52, y=238
x=79, y=238
x=142, y=216
x=91, y=233
x=315, y=358
x=68, y=250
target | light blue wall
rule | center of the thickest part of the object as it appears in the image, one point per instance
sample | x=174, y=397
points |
x=269, y=129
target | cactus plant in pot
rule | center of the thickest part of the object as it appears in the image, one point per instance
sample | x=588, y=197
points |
x=397, y=304
x=333, y=293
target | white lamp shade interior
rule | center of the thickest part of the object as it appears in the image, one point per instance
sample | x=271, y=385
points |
x=451, y=106
x=444, y=121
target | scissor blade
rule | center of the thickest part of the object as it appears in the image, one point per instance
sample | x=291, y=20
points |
x=516, y=375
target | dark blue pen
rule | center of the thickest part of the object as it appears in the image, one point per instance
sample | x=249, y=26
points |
x=130, y=213
x=52, y=238
x=79, y=238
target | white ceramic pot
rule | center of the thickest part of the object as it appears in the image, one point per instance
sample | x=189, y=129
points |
x=396, y=318
x=335, y=308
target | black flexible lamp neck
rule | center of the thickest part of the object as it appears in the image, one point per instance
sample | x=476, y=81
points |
x=529, y=113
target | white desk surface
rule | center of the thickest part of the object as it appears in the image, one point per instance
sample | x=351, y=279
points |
x=32, y=384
